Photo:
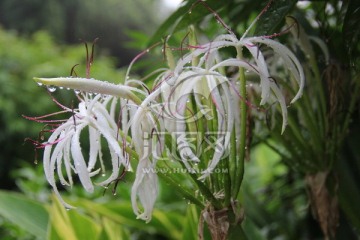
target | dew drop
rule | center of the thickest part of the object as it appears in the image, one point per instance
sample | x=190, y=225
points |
x=51, y=88
x=35, y=161
x=67, y=209
x=61, y=87
x=77, y=91
x=103, y=175
x=39, y=84
x=114, y=193
x=68, y=88
x=190, y=12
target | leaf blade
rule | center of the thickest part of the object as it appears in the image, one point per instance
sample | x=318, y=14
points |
x=28, y=214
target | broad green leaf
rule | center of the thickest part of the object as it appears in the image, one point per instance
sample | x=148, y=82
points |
x=72, y=224
x=273, y=16
x=166, y=223
x=29, y=215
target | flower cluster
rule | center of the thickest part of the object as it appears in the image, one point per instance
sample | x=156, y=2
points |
x=212, y=92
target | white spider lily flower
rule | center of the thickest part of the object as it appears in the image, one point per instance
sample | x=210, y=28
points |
x=208, y=58
x=145, y=188
x=100, y=119
x=201, y=83
x=166, y=106
x=64, y=148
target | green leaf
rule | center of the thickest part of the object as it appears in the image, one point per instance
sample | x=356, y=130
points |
x=181, y=19
x=165, y=28
x=113, y=231
x=29, y=215
x=351, y=31
x=71, y=224
x=191, y=223
x=274, y=15
x=198, y=13
x=168, y=224
x=251, y=230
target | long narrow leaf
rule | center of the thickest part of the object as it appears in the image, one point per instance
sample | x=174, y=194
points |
x=29, y=215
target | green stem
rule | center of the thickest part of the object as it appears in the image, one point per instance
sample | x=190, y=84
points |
x=206, y=192
x=239, y=170
x=320, y=95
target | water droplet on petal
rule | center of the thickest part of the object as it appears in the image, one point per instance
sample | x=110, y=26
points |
x=51, y=88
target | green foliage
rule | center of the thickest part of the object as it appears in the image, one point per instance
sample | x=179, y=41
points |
x=91, y=220
x=351, y=33
x=70, y=20
x=21, y=60
x=273, y=16
x=27, y=214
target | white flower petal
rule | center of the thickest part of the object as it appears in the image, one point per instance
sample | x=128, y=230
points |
x=145, y=188
x=79, y=161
